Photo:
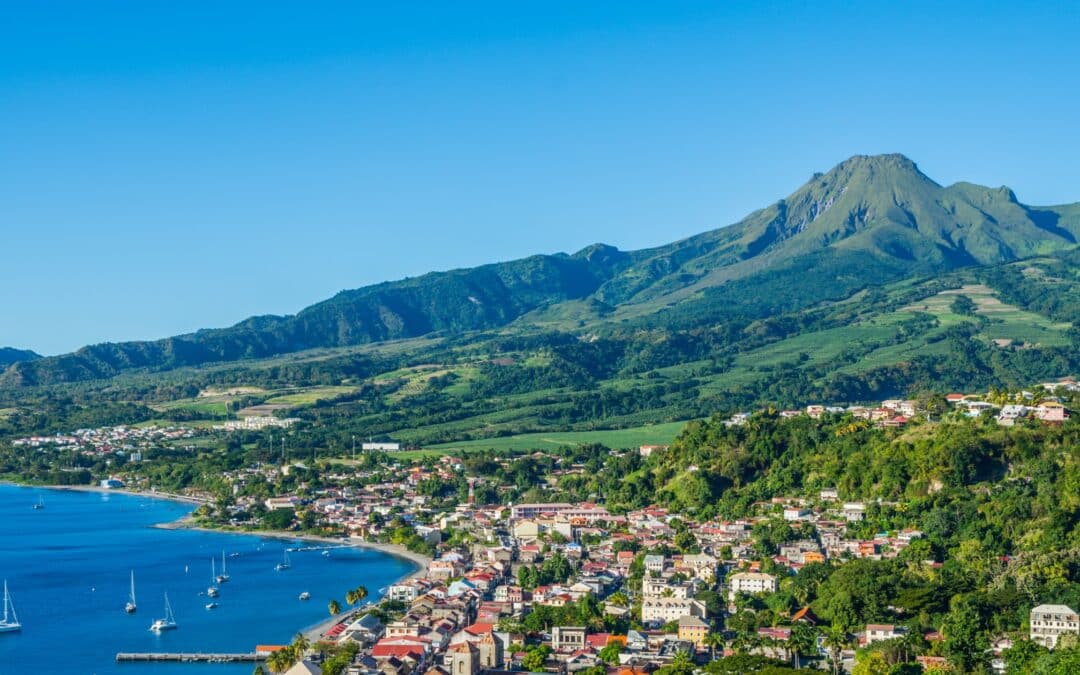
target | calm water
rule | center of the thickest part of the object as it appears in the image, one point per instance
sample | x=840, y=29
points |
x=67, y=567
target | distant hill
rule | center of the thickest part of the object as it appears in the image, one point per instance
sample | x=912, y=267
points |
x=870, y=220
x=9, y=355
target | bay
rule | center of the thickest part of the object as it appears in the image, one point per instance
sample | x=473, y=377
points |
x=68, y=567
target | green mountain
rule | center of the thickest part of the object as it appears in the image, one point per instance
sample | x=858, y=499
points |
x=9, y=355
x=871, y=220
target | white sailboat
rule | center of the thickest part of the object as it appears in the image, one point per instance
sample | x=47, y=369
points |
x=212, y=590
x=10, y=622
x=130, y=607
x=284, y=564
x=167, y=623
x=40, y=502
x=224, y=576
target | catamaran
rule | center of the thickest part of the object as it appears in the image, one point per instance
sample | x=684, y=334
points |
x=40, y=502
x=284, y=564
x=224, y=576
x=212, y=590
x=10, y=622
x=130, y=607
x=168, y=623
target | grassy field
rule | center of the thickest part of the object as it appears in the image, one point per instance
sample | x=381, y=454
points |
x=1006, y=321
x=307, y=396
x=655, y=434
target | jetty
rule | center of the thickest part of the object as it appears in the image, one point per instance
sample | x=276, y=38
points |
x=188, y=657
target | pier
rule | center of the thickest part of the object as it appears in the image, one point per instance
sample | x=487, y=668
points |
x=190, y=657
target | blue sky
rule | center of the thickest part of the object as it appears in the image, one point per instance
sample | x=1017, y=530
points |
x=171, y=166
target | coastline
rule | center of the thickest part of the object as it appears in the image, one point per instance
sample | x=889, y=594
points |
x=168, y=496
x=313, y=632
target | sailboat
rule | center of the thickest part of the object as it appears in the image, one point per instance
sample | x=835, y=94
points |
x=40, y=502
x=10, y=622
x=284, y=564
x=130, y=607
x=212, y=590
x=224, y=576
x=167, y=623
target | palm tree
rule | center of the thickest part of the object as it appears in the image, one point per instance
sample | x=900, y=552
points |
x=258, y=670
x=712, y=641
x=836, y=640
x=350, y=597
x=802, y=642
x=360, y=593
x=334, y=607
x=300, y=644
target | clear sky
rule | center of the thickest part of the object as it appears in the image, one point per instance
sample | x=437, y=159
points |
x=166, y=166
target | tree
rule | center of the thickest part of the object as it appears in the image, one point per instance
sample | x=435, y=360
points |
x=964, y=306
x=712, y=641
x=535, y=658
x=300, y=644
x=871, y=663
x=610, y=653
x=681, y=664
x=334, y=607
x=803, y=641
x=965, y=641
x=836, y=641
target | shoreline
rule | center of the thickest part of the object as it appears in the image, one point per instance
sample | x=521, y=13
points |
x=315, y=631
x=167, y=496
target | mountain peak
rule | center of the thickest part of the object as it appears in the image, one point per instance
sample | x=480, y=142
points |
x=890, y=165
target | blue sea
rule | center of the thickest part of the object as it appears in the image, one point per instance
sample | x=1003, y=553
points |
x=68, y=568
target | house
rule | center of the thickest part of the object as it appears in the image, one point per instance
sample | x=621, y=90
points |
x=750, y=583
x=794, y=513
x=664, y=610
x=877, y=632
x=654, y=563
x=693, y=629
x=854, y=511
x=568, y=638
x=647, y=450
x=1051, y=411
x=304, y=667
x=1049, y=622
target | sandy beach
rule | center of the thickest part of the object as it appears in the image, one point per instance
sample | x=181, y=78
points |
x=184, y=499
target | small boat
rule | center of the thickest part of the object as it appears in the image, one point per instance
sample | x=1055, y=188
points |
x=305, y=596
x=224, y=576
x=167, y=623
x=284, y=564
x=211, y=605
x=130, y=607
x=212, y=590
x=10, y=622
x=326, y=553
x=40, y=503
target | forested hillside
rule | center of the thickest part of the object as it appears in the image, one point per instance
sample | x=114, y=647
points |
x=867, y=223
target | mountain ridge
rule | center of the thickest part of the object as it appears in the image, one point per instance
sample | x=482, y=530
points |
x=870, y=219
x=9, y=355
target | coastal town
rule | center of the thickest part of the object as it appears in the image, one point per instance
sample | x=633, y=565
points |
x=570, y=587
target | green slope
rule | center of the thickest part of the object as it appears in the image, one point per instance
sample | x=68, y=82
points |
x=871, y=220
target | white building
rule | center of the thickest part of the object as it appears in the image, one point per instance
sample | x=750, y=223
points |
x=750, y=583
x=1050, y=622
x=385, y=447
x=665, y=610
